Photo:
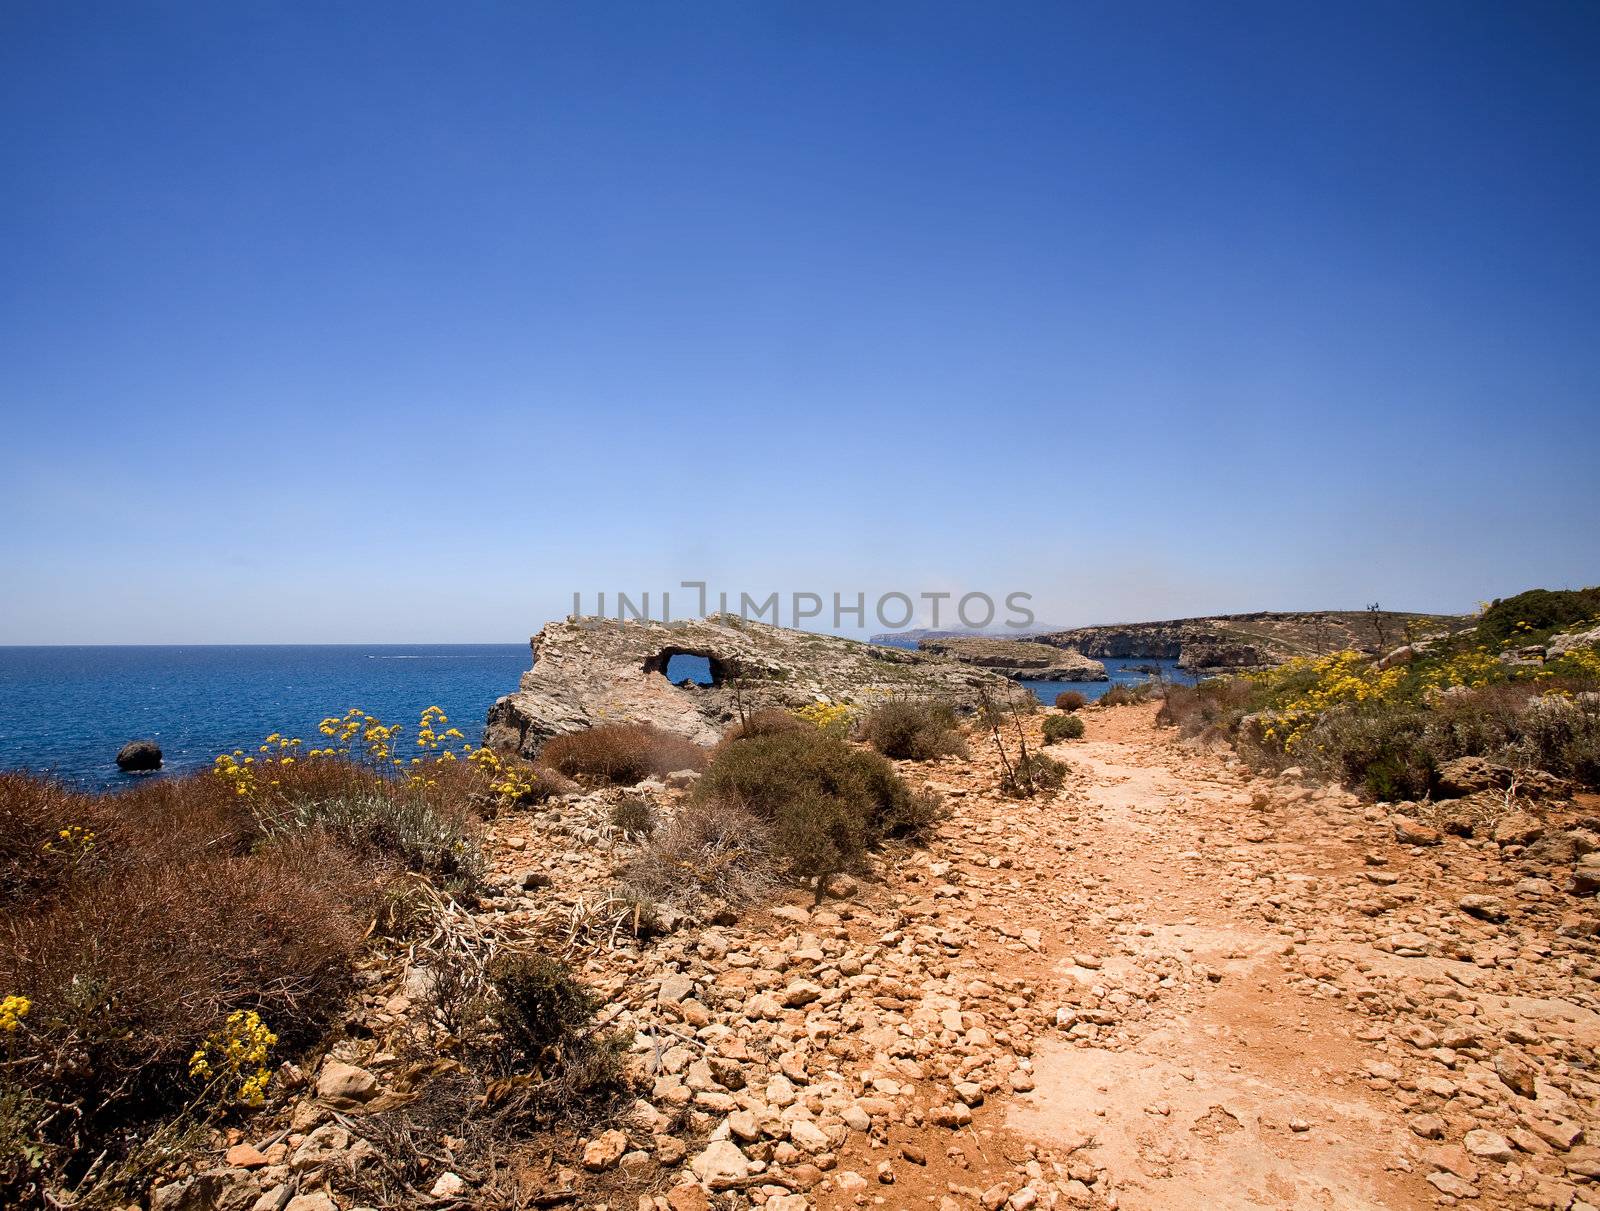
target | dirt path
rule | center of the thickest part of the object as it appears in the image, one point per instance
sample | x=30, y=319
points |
x=1229, y=1021
x=1170, y=986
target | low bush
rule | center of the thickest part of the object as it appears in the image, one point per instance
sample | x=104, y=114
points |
x=633, y=814
x=163, y=948
x=1537, y=612
x=1129, y=695
x=1030, y=774
x=822, y=801
x=1210, y=710
x=622, y=753
x=1387, y=731
x=1062, y=727
x=766, y=722
x=1070, y=700
x=705, y=847
x=914, y=729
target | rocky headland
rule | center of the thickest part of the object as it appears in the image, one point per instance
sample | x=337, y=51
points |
x=588, y=671
x=1018, y=659
x=1237, y=642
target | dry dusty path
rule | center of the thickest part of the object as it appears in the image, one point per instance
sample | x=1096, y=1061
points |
x=1170, y=986
x=1256, y=999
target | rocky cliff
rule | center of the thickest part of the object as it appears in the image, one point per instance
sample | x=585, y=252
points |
x=1230, y=642
x=1017, y=658
x=592, y=670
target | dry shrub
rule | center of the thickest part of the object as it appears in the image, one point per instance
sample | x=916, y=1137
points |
x=1031, y=773
x=128, y=972
x=633, y=814
x=1070, y=700
x=622, y=753
x=1128, y=695
x=1210, y=710
x=1062, y=727
x=707, y=846
x=914, y=729
x=166, y=908
x=769, y=721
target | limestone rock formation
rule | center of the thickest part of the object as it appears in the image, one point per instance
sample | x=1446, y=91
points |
x=1231, y=642
x=1018, y=658
x=594, y=670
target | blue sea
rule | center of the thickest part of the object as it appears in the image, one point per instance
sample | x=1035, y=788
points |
x=1121, y=672
x=67, y=710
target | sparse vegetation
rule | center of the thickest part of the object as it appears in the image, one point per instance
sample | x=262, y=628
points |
x=1027, y=773
x=1062, y=727
x=1130, y=695
x=706, y=847
x=1032, y=773
x=1386, y=731
x=622, y=753
x=161, y=950
x=914, y=729
x=633, y=814
x=820, y=801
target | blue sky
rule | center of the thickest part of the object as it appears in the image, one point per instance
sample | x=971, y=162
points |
x=362, y=322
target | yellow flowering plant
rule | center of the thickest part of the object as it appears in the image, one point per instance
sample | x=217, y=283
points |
x=233, y=1060
x=12, y=1010
x=826, y=716
x=1301, y=691
x=72, y=843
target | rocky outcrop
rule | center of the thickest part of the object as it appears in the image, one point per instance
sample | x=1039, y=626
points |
x=1232, y=642
x=592, y=670
x=139, y=757
x=1571, y=641
x=1018, y=659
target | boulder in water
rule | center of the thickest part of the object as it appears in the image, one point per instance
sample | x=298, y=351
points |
x=139, y=757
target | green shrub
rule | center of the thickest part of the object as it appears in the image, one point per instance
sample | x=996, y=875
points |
x=1062, y=727
x=540, y=1004
x=914, y=730
x=823, y=801
x=545, y=1018
x=622, y=753
x=1538, y=611
x=1070, y=700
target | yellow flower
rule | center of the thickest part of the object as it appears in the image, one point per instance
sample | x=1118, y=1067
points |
x=12, y=1010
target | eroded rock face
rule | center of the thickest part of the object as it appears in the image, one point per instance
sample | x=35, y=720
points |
x=591, y=670
x=1019, y=658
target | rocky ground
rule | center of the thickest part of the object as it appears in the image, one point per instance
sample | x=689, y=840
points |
x=1173, y=985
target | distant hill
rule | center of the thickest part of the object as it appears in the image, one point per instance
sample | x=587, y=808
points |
x=1240, y=641
x=910, y=639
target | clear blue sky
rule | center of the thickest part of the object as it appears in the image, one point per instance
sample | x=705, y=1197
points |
x=396, y=321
